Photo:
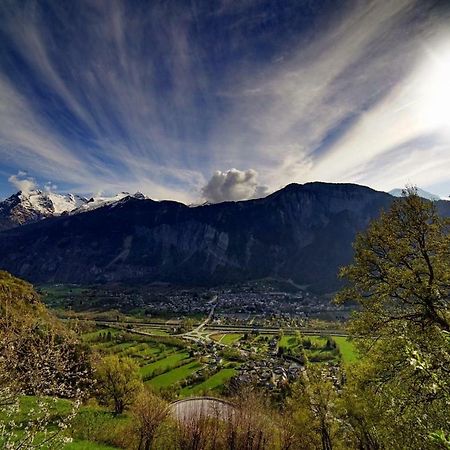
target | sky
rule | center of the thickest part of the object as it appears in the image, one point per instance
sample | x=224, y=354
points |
x=213, y=100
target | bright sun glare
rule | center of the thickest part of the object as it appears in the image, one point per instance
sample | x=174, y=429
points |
x=434, y=90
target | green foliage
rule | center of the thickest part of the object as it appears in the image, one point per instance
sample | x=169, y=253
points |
x=347, y=349
x=118, y=382
x=312, y=407
x=174, y=375
x=37, y=352
x=92, y=425
x=20, y=306
x=401, y=271
x=232, y=354
x=214, y=383
x=231, y=338
x=401, y=280
x=39, y=356
x=148, y=414
x=163, y=365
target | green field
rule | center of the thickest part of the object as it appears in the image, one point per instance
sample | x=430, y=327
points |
x=318, y=352
x=59, y=295
x=95, y=335
x=162, y=364
x=29, y=407
x=217, y=337
x=215, y=382
x=154, y=331
x=347, y=349
x=230, y=338
x=58, y=408
x=142, y=352
x=174, y=376
x=288, y=341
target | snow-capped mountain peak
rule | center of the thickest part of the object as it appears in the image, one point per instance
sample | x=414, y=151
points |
x=420, y=192
x=97, y=202
x=26, y=207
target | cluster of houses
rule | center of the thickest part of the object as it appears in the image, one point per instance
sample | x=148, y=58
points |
x=179, y=303
x=264, y=304
x=241, y=301
x=271, y=373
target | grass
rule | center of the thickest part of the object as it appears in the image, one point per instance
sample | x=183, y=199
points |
x=347, y=348
x=29, y=409
x=215, y=382
x=288, y=341
x=119, y=348
x=57, y=408
x=87, y=445
x=75, y=445
x=174, y=376
x=92, y=336
x=167, y=362
x=230, y=338
x=263, y=338
x=149, y=352
x=141, y=351
x=55, y=295
x=155, y=331
x=217, y=337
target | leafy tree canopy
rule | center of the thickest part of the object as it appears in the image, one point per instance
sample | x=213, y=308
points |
x=400, y=279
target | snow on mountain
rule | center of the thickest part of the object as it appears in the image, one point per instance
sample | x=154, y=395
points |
x=54, y=204
x=97, y=202
x=421, y=193
x=27, y=207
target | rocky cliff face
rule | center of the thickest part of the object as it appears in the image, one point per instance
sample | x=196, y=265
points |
x=302, y=232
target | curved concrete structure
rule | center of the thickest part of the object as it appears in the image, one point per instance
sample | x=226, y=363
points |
x=198, y=407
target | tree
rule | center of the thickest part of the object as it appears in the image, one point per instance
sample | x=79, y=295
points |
x=38, y=352
x=187, y=324
x=401, y=269
x=361, y=413
x=313, y=409
x=148, y=412
x=400, y=278
x=38, y=356
x=118, y=382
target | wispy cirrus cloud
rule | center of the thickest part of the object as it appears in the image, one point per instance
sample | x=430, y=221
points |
x=344, y=100
x=157, y=96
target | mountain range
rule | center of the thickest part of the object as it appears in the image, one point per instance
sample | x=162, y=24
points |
x=28, y=207
x=301, y=233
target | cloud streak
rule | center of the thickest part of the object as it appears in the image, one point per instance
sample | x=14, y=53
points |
x=157, y=96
